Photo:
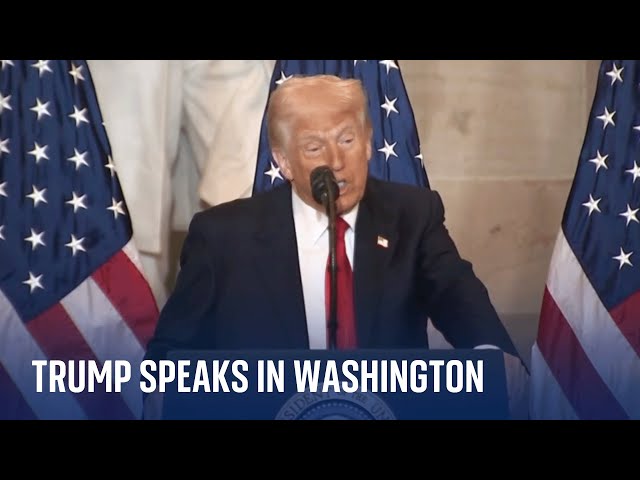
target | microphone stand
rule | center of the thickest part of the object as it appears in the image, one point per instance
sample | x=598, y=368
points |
x=330, y=206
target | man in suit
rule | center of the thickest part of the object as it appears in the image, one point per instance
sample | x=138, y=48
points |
x=253, y=270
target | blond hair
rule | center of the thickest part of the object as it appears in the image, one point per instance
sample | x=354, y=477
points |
x=341, y=93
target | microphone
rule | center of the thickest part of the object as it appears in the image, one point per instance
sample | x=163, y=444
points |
x=324, y=186
x=325, y=191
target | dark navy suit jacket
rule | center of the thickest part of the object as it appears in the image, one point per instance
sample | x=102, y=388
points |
x=239, y=285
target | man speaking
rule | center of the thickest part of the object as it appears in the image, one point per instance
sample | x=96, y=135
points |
x=258, y=273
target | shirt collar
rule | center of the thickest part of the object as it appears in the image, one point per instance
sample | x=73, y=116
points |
x=311, y=223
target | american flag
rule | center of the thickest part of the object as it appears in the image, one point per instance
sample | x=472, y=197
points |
x=396, y=145
x=585, y=363
x=71, y=286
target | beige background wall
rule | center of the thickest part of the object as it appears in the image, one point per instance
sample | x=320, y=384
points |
x=501, y=139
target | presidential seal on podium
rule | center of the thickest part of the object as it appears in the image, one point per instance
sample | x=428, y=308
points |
x=331, y=405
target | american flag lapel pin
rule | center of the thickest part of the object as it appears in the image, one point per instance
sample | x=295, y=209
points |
x=383, y=242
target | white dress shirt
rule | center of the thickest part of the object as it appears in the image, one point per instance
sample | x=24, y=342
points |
x=312, y=235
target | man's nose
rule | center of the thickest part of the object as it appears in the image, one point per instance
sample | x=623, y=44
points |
x=336, y=158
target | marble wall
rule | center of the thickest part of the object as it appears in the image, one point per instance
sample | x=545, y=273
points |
x=501, y=140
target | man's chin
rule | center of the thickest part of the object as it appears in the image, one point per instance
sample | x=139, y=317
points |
x=343, y=208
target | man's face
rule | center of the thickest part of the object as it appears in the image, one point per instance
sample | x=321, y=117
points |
x=321, y=137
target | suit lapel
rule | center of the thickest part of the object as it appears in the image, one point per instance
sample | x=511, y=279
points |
x=376, y=240
x=276, y=261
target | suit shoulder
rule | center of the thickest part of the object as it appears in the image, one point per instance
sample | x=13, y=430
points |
x=238, y=210
x=406, y=196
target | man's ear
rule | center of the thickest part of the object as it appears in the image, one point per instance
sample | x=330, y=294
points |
x=283, y=162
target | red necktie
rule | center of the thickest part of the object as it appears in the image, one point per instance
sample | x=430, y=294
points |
x=346, y=334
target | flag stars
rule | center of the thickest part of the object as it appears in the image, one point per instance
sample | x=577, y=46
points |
x=75, y=245
x=283, y=78
x=77, y=202
x=111, y=166
x=42, y=66
x=607, y=118
x=635, y=171
x=615, y=73
x=35, y=239
x=78, y=158
x=600, y=161
x=388, y=150
x=33, y=282
x=76, y=73
x=79, y=115
x=116, y=208
x=389, y=64
x=630, y=215
x=273, y=172
x=592, y=205
x=3, y=191
x=3, y=146
x=623, y=258
x=2, y=232
x=419, y=157
x=389, y=105
x=37, y=196
x=4, y=103
x=39, y=152
x=355, y=62
x=6, y=63
x=41, y=108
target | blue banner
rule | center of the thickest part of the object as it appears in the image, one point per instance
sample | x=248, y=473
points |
x=321, y=385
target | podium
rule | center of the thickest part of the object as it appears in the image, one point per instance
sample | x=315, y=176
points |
x=346, y=385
